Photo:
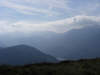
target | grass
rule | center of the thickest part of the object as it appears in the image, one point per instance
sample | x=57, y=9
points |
x=79, y=67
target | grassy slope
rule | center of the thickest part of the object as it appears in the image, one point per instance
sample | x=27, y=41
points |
x=80, y=67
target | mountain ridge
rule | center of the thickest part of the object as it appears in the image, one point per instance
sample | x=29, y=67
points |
x=23, y=54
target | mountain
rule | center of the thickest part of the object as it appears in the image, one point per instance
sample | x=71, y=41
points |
x=79, y=43
x=23, y=54
x=2, y=44
x=74, y=44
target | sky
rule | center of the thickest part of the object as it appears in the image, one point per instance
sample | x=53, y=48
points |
x=58, y=16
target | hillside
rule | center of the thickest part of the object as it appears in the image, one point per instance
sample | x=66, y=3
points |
x=23, y=54
x=74, y=44
x=79, y=67
x=77, y=44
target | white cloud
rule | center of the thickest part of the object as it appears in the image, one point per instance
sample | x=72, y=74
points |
x=4, y=27
x=50, y=9
x=48, y=3
x=58, y=26
x=47, y=8
x=35, y=7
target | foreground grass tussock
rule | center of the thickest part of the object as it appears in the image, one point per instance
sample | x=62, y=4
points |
x=80, y=67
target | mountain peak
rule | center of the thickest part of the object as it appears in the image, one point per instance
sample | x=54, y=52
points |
x=21, y=45
x=23, y=54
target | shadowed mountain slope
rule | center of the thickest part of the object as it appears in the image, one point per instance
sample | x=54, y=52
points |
x=23, y=54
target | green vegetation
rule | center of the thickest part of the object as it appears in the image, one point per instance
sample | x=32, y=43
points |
x=79, y=67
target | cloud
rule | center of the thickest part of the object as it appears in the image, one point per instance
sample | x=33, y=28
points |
x=59, y=26
x=53, y=8
x=4, y=27
x=35, y=7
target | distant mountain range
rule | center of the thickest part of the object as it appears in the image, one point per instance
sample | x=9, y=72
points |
x=74, y=44
x=23, y=54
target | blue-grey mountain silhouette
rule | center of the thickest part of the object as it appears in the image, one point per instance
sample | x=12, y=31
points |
x=23, y=54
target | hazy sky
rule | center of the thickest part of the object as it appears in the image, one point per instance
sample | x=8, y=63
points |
x=47, y=15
